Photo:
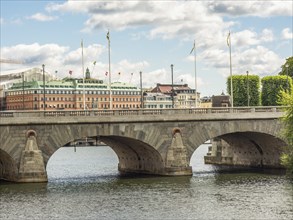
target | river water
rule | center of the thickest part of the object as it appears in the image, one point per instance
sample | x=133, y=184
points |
x=86, y=185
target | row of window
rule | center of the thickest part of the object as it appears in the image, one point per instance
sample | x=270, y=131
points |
x=19, y=99
x=72, y=106
x=157, y=106
x=99, y=92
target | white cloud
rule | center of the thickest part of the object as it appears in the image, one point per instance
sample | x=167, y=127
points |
x=163, y=19
x=41, y=17
x=252, y=8
x=258, y=60
x=62, y=59
x=286, y=34
x=267, y=35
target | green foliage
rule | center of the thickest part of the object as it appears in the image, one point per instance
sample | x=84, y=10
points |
x=271, y=88
x=287, y=70
x=287, y=158
x=243, y=87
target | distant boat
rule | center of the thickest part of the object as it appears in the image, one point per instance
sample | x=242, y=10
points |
x=86, y=142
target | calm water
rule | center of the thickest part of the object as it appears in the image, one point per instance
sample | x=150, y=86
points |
x=86, y=185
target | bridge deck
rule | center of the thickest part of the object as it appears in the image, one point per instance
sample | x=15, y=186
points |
x=139, y=115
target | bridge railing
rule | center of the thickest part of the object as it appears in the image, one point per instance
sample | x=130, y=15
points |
x=189, y=111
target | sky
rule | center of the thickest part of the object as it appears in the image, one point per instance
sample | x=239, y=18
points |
x=149, y=36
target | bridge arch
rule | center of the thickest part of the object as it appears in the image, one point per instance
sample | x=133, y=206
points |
x=8, y=167
x=245, y=143
x=134, y=154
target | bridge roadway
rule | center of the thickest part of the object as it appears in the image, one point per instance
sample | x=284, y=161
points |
x=152, y=141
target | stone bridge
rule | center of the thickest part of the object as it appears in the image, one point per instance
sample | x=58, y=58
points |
x=159, y=141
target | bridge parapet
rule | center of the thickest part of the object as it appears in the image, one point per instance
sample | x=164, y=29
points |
x=192, y=111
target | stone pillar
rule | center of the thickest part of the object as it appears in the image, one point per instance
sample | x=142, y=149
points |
x=177, y=163
x=32, y=168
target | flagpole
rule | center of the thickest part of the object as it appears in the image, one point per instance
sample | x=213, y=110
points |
x=194, y=50
x=83, y=74
x=110, y=89
x=231, y=82
x=195, y=75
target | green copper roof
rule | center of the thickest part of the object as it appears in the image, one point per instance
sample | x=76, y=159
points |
x=73, y=83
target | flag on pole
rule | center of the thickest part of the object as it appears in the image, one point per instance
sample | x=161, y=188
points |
x=228, y=39
x=108, y=36
x=192, y=48
x=70, y=72
x=95, y=62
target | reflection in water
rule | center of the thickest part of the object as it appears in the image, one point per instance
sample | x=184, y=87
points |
x=86, y=185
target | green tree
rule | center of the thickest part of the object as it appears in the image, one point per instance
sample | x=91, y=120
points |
x=287, y=68
x=244, y=87
x=287, y=158
x=271, y=88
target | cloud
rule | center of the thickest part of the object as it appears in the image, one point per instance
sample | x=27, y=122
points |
x=286, y=34
x=257, y=60
x=251, y=8
x=41, y=17
x=62, y=59
x=162, y=19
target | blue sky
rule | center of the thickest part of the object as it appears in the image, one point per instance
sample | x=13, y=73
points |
x=149, y=36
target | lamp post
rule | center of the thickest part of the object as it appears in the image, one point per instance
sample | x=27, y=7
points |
x=247, y=89
x=44, y=89
x=172, y=94
x=22, y=90
x=287, y=67
x=141, y=94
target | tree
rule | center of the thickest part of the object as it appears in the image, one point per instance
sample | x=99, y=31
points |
x=287, y=158
x=244, y=87
x=287, y=68
x=271, y=88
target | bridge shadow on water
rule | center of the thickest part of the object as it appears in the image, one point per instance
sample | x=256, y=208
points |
x=99, y=164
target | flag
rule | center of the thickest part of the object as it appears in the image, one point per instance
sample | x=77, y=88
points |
x=70, y=72
x=95, y=62
x=228, y=39
x=108, y=36
x=192, y=48
x=119, y=73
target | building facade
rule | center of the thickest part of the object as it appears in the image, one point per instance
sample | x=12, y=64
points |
x=72, y=94
x=183, y=96
x=206, y=102
x=157, y=101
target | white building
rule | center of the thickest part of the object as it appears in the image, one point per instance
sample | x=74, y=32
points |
x=154, y=100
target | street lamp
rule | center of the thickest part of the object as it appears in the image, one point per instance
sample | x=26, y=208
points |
x=172, y=86
x=44, y=89
x=287, y=67
x=141, y=94
x=247, y=89
x=22, y=90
